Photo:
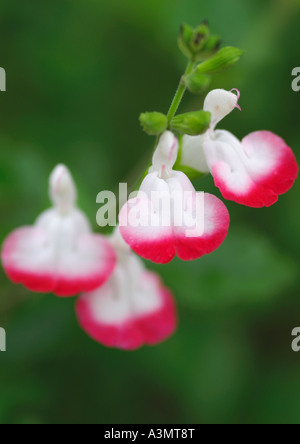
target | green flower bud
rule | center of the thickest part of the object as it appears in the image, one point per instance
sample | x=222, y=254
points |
x=185, y=37
x=193, y=124
x=193, y=41
x=154, y=123
x=212, y=46
x=200, y=38
x=224, y=59
x=196, y=82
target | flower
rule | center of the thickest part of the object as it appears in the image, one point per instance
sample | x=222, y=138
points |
x=168, y=216
x=59, y=253
x=253, y=172
x=132, y=309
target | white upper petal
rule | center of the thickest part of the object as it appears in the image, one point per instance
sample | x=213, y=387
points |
x=220, y=103
x=165, y=154
x=63, y=192
x=63, y=224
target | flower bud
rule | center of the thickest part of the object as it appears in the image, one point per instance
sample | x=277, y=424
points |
x=211, y=47
x=196, y=82
x=224, y=59
x=200, y=37
x=193, y=124
x=154, y=123
x=184, y=39
x=193, y=41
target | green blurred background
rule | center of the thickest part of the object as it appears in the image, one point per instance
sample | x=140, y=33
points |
x=78, y=74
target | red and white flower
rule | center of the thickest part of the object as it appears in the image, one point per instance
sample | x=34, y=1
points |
x=168, y=217
x=253, y=172
x=132, y=309
x=59, y=254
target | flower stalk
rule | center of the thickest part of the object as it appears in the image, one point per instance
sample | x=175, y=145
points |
x=179, y=93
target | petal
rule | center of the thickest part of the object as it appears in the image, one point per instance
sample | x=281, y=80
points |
x=62, y=230
x=192, y=153
x=194, y=224
x=63, y=193
x=87, y=268
x=166, y=152
x=142, y=223
x=220, y=103
x=274, y=163
x=127, y=316
x=162, y=323
x=213, y=231
x=30, y=259
x=253, y=172
x=154, y=243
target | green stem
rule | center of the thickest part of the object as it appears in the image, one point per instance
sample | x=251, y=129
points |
x=179, y=93
x=174, y=106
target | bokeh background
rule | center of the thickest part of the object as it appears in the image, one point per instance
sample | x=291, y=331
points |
x=79, y=72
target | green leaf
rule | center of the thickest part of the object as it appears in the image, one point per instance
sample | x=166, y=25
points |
x=154, y=123
x=193, y=124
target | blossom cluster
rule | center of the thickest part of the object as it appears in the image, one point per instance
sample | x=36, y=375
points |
x=121, y=304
